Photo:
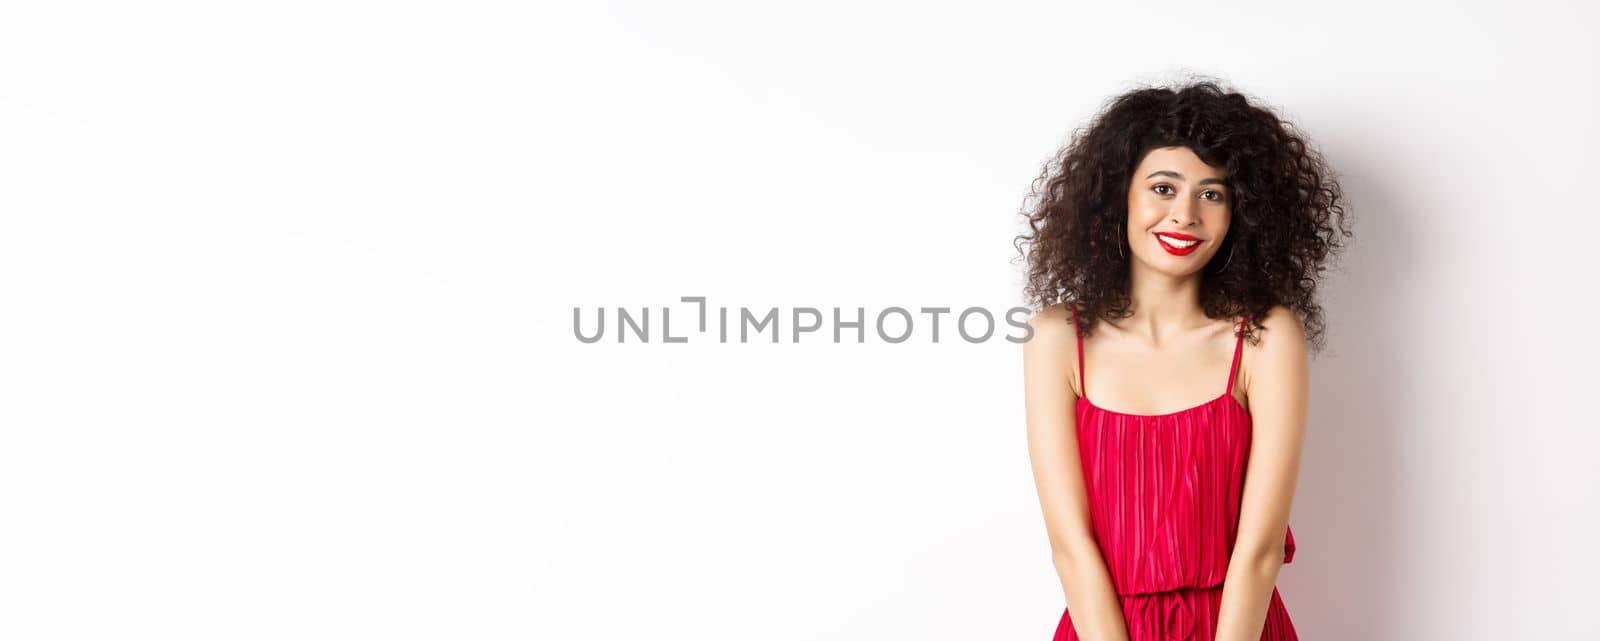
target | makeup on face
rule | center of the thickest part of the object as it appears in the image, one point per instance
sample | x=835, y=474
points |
x=1177, y=244
x=1181, y=204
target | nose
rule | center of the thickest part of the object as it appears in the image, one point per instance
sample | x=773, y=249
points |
x=1184, y=212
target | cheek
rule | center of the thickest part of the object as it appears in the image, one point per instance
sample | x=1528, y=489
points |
x=1137, y=200
x=1142, y=213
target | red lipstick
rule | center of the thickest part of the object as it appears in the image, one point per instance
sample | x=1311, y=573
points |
x=1175, y=248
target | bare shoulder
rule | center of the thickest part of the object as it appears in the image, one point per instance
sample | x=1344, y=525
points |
x=1279, y=354
x=1052, y=326
x=1053, y=348
x=1054, y=316
x=1283, y=331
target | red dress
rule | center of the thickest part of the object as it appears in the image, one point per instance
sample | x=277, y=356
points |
x=1164, y=493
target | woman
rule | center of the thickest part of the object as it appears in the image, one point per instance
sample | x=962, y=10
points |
x=1174, y=249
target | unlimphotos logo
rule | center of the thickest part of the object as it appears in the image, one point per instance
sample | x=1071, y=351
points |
x=890, y=324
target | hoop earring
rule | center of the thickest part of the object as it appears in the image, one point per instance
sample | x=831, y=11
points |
x=1121, y=238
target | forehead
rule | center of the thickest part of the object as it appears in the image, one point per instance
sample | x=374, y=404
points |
x=1179, y=159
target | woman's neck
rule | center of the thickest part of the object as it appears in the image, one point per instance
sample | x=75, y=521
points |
x=1163, y=306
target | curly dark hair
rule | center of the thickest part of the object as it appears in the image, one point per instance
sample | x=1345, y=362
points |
x=1288, y=219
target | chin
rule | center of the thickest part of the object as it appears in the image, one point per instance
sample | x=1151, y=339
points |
x=1176, y=266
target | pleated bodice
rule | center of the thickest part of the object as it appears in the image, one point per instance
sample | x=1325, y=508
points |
x=1164, y=490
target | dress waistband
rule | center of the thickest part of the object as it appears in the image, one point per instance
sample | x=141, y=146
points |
x=1173, y=614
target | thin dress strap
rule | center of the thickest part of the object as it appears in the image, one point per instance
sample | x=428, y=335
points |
x=1237, y=348
x=1082, y=389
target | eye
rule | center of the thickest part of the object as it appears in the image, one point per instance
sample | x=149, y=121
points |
x=1161, y=186
x=1212, y=194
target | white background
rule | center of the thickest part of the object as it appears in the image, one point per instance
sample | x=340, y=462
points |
x=286, y=345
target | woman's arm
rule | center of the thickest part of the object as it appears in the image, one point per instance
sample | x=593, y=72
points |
x=1049, y=360
x=1278, y=391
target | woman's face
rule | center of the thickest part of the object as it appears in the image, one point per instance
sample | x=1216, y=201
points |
x=1179, y=209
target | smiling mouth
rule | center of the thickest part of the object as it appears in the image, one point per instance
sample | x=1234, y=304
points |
x=1175, y=246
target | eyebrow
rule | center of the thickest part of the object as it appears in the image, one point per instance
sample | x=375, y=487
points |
x=1174, y=174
